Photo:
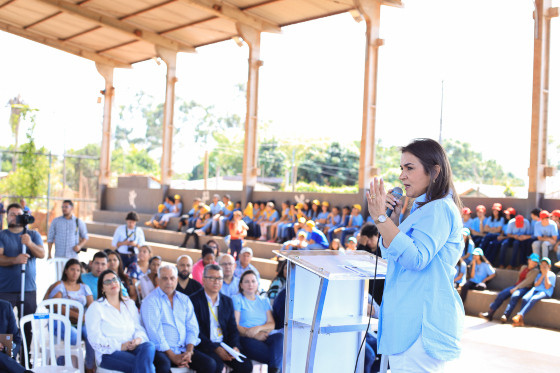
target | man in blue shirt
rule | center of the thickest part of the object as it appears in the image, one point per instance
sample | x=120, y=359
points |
x=244, y=263
x=217, y=209
x=546, y=234
x=317, y=239
x=11, y=260
x=354, y=223
x=98, y=265
x=171, y=325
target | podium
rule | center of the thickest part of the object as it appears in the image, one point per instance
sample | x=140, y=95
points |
x=326, y=309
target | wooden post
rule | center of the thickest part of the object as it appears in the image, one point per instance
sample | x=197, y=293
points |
x=106, y=72
x=170, y=59
x=539, y=118
x=252, y=37
x=371, y=12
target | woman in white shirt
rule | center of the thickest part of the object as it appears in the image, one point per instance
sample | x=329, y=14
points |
x=114, y=330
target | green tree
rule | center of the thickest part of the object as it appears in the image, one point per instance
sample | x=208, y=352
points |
x=134, y=161
x=85, y=168
x=271, y=160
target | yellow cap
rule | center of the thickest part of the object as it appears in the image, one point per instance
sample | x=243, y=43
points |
x=299, y=205
x=316, y=202
x=302, y=220
x=357, y=206
x=160, y=207
x=302, y=233
x=310, y=223
x=177, y=197
x=325, y=203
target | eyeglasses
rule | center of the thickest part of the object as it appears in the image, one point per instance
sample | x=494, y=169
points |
x=214, y=279
x=111, y=281
x=226, y=264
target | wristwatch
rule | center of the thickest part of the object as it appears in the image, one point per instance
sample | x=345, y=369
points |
x=381, y=219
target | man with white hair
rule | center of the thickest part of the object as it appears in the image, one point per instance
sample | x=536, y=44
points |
x=185, y=283
x=171, y=324
x=244, y=263
x=230, y=286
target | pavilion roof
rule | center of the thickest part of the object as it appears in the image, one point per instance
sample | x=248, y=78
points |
x=122, y=32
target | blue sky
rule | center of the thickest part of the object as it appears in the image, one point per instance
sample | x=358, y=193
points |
x=311, y=84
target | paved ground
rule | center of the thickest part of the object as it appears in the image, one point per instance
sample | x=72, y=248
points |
x=487, y=346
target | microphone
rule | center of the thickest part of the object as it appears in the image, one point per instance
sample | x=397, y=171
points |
x=397, y=193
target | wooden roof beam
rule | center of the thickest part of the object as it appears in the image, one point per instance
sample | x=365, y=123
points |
x=114, y=23
x=229, y=11
x=394, y=3
x=66, y=47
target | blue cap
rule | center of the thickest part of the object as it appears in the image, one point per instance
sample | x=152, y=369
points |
x=478, y=251
x=466, y=231
x=534, y=257
x=545, y=259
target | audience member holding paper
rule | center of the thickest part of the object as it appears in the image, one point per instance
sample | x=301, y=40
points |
x=253, y=314
x=216, y=321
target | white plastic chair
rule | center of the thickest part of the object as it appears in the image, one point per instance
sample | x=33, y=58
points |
x=47, y=364
x=59, y=264
x=54, y=306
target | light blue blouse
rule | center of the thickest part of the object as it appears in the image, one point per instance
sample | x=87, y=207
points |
x=551, y=278
x=419, y=296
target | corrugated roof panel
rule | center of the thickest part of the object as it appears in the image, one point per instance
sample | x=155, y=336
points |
x=63, y=26
x=174, y=15
x=25, y=13
x=288, y=12
x=133, y=52
x=120, y=8
x=102, y=39
x=206, y=32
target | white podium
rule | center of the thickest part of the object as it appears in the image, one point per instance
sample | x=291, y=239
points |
x=326, y=309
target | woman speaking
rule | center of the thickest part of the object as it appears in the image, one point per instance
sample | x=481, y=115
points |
x=421, y=317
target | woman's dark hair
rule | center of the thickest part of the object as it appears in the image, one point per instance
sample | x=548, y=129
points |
x=536, y=211
x=280, y=269
x=154, y=258
x=246, y=273
x=123, y=276
x=100, y=293
x=500, y=216
x=369, y=230
x=207, y=250
x=431, y=154
x=68, y=264
x=467, y=241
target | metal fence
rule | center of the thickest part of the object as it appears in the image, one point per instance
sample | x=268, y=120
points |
x=70, y=176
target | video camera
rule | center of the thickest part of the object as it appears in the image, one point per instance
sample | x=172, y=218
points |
x=24, y=219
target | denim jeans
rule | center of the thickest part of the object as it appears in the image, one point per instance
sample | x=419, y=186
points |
x=140, y=360
x=505, y=294
x=530, y=299
x=199, y=363
x=268, y=352
x=370, y=352
x=348, y=231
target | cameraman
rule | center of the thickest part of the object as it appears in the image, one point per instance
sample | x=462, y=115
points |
x=128, y=238
x=11, y=259
x=67, y=232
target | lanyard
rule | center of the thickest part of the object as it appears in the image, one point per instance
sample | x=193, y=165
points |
x=130, y=234
x=215, y=318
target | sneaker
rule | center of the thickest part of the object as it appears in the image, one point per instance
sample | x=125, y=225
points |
x=486, y=315
x=518, y=320
x=503, y=319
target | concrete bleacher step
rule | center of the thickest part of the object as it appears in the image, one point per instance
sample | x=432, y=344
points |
x=260, y=249
x=545, y=313
x=170, y=253
x=117, y=217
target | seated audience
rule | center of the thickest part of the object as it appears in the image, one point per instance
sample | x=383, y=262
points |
x=344, y=220
x=208, y=256
x=253, y=315
x=185, y=284
x=114, y=264
x=542, y=289
x=313, y=212
x=336, y=245
x=216, y=322
x=354, y=223
x=171, y=326
x=238, y=231
x=189, y=219
x=460, y=273
x=201, y=225
x=98, y=265
x=493, y=228
x=71, y=287
x=525, y=281
x=478, y=224
x=321, y=220
x=161, y=210
x=469, y=246
x=519, y=236
x=244, y=263
x=368, y=238
x=8, y=325
x=148, y=282
x=333, y=219
x=285, y=212
x=225, y=218
x=299, y=243
x=128, y=238
x=315, y=238
x=546, y=234
x=466, y=215
x=352, y=244
x=114, y=330
x=282, y=227
x=217, y=210
x=268, y=217
x=481, y=272
x=136, y=269
x=175, y=210
x=279, y=282
x=230, y=286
